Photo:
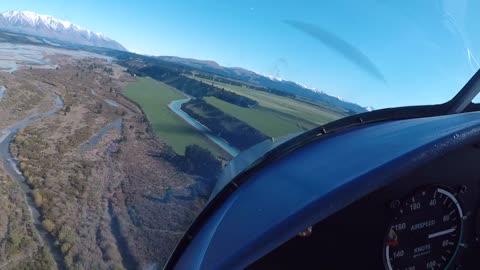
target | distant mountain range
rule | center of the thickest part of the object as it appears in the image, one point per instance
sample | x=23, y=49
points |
x=270, y=82
x=31, y=23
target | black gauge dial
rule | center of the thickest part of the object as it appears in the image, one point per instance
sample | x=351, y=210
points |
x=425, y=232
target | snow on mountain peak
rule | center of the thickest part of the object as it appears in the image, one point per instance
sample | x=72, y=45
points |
x=274, y=78
x=35, y=19
x=29, y=22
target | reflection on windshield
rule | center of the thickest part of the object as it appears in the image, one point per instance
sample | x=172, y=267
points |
x=342, y=46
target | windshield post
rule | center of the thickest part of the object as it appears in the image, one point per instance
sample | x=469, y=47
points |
x=465, y=96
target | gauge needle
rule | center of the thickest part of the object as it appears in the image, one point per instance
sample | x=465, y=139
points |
x=392, y=243
x=433, y=235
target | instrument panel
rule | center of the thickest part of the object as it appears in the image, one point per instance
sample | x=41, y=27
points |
x=426, y=230
x=428, y=218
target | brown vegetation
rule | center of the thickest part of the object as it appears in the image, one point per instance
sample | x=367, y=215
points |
x=19, y=245
x=97, y=202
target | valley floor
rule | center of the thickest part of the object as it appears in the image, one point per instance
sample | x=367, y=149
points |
x=104, y=196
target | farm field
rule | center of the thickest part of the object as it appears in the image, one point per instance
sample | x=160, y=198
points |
x=154, y=96
x=266, y=121
x=275, y=115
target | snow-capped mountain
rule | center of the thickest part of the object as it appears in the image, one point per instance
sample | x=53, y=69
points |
x=28, y=22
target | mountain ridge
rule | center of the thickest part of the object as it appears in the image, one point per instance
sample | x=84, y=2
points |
x=265, y=80
x=28, y=22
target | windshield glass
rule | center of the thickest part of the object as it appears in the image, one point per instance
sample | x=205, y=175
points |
x=116, y=120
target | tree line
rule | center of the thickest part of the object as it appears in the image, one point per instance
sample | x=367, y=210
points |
x=236, y=132
x=197, y=160
x=241, y=84
x=192, y=87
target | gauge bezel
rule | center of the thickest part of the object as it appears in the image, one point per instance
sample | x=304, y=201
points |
x=450, y=192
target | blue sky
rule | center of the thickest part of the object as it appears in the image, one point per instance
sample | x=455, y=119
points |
x=425, y=50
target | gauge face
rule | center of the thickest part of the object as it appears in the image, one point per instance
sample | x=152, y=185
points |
x=426, y=231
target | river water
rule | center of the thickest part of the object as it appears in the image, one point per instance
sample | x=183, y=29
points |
x=176, y=107
x=112, y=103
x=11, y=166
x=2, y=91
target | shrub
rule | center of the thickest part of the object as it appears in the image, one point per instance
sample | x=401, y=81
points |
x=66, y=234
x=48, y=225
x=37, y=198
x=65, y=248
